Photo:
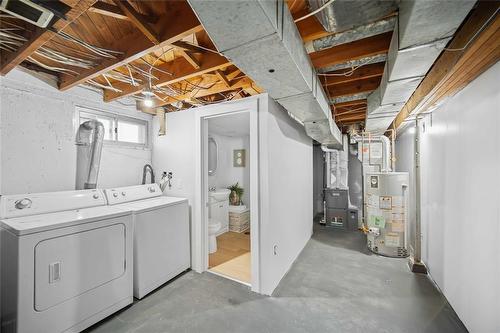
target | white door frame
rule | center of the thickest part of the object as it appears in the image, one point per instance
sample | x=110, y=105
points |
x=199, y=228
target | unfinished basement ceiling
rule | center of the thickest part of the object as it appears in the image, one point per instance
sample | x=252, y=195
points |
x=127, y=48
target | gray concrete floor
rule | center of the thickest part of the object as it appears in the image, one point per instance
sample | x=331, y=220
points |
x=336, y=285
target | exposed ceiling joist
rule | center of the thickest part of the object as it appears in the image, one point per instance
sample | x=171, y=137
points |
x=222, y=78
x=217, y=88
x=366, y=47
x=182, y=22
x=190, y=58
x=345, y=76
x=138, y=20
x=310, y=28
x=354, y=118
x=356, y=111
x=348, y=104
x=41, y=36
x=171, y=72
x=468, y=55
x=354, y=87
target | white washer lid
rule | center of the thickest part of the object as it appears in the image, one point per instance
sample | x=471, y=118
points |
x=37, y=223
x=154, y=203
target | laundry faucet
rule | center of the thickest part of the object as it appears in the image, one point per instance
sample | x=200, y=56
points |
x=145, y=171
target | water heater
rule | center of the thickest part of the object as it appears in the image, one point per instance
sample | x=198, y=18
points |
x=386, y=213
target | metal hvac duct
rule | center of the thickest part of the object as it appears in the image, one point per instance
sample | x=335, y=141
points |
x=422, y=31
x=89, y=139
x=343, y=15
x=272, y=53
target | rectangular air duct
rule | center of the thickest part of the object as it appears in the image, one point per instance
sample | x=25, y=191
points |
x=261, y=38
x=422, y=31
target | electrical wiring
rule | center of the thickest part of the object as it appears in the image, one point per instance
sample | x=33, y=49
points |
x=314, y=12
x=63, y=58
x=142, y=72
x=97, y=84
x=94, y=49
x=73, y=50
x=118, y=76
x=349, y=72
x=51, y=68
x=203, y=48
x=9, y=40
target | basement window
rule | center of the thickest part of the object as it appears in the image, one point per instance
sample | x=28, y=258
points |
x=118, y=130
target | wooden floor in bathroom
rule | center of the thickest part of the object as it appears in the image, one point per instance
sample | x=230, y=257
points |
x=232, y=258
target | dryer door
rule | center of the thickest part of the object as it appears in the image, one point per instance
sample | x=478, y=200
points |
x=71, y=265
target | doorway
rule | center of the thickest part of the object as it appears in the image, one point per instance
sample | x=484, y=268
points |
x=228, y=196
x=227, y=205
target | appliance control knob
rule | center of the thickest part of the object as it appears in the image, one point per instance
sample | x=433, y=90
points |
x=23, y=203
x=95, y=196
x=151, y=189
x=123, y=194
x=115, y=194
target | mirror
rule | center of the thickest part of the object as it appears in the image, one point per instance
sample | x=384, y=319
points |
x=213, y=156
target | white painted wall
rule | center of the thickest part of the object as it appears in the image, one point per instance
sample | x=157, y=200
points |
x=38, y=128
x=227, y=174
x=174, y=152
x=286, y=183
x=460, y=156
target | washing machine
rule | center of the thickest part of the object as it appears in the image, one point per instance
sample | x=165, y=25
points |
x=162, y=248
x=66, y=261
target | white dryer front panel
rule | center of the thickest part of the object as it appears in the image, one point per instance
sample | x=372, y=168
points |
x=71, y=265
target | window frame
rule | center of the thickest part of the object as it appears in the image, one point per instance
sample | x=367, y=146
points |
x=115, y=117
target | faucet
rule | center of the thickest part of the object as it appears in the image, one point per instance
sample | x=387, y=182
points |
x=212, y=189
x=145, y=170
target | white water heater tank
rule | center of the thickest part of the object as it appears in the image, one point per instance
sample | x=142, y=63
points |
x=386, y=212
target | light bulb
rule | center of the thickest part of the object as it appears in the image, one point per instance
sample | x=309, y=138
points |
x=148, y=102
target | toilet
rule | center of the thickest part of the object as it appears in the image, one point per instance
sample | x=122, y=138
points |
x=213, y=228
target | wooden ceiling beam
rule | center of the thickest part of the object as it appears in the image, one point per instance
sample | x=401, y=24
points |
x=222, y=78
x=171, y=72
x=357, y=102
x=364, y=72
x=469, y=54
x=310, y=28
x=190, y=58
x=106, y=9
x=180, y=22
x=138, y=20
x=40, y=36
x=357, y=110
x=217, y=88
x=350, y=118
x=355, y=87
x=362, y=48
x=351, y=122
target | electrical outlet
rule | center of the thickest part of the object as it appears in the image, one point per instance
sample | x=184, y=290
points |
x=275, y=250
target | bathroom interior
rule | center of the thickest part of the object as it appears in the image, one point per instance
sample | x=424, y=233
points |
x=229, y=196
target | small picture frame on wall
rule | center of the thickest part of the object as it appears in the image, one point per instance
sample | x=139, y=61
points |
x=239, y=156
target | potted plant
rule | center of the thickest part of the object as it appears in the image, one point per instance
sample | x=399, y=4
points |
x=236, y=194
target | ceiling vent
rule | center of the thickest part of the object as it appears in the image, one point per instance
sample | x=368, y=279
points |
x=28, y=11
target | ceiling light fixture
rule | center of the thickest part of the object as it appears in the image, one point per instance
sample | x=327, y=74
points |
x=148, y=97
